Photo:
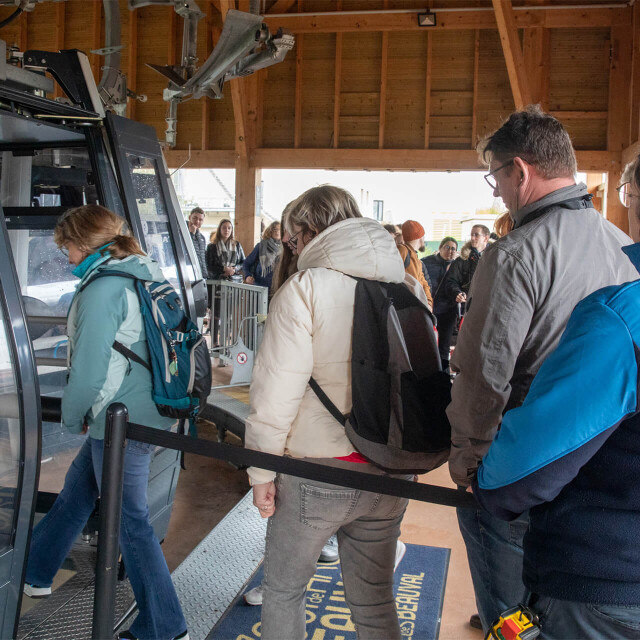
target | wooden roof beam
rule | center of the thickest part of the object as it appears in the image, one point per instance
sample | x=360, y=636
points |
x=512, y=53
x=282, y=6
x=456, y=20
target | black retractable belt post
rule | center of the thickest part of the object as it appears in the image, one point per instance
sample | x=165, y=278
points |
x=109, y=529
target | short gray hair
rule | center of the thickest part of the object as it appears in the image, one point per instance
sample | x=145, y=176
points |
x=321, y=207
x=536, y=137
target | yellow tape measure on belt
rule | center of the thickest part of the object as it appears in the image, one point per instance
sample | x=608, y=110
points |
x=517, y=623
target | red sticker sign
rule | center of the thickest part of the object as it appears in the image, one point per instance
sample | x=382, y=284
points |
x=242, y=358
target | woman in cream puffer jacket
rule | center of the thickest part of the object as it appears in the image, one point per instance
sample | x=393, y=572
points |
x=308, y=333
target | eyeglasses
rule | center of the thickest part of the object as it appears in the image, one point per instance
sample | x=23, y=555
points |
x=449, y=248
x=293, y=241
x=490, y=177
x=64, y=251
x=625, y=195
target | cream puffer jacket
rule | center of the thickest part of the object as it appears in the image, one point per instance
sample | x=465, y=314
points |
x=308, y=332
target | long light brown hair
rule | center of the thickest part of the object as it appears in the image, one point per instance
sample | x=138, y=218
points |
x=218, y=237
x=92, y=226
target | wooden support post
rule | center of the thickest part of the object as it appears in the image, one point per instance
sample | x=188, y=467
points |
x=635, y=95
x=427, y=92
x=384, y=63
x=336, y=91
x=132, y=67
x=619, y=124
x=248, y=178
x=535, y=52
x=60, y=16
x=297, y=127
x=96, y=43
x=211, y=33
x=474, y=109
x=616, y=213
x=512, y=53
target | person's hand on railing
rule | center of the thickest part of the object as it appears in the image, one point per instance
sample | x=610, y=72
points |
x=249, y=280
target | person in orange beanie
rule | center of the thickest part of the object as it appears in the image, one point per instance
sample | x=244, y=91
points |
x=412, y=234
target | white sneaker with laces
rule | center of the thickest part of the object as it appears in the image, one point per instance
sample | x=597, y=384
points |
x=401, y=549
x=329, y=552
x=253, y=597
x=34, y=591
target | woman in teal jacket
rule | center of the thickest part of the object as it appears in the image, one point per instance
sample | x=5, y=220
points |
x=96, y=240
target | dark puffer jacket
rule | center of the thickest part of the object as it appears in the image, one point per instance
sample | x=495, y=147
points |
x=437, y=267
x=461, y=273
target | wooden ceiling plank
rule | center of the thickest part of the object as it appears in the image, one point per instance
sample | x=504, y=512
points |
x=456, y=20
x=384, y=63
x=96, y=40
x=619, y=121
x=297, y=128
x=336, y=91
x=427, y=98
x=399, y=159
x=635, y=91
x=24, y=31
x=132, y=67
x=474, y=108
x=60, y=24
x=282, y=6
x=512, y=53
x=172, y=57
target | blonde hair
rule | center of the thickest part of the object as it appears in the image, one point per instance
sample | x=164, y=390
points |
x=217, y=239
x=268, y=232
x=287, y=262
x=92, y=226
x=320, y=207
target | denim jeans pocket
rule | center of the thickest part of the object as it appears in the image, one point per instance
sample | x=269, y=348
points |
x=627, y=617
x=321, y=508
x=138, y=448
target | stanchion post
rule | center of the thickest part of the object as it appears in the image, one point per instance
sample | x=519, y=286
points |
x=109, y=528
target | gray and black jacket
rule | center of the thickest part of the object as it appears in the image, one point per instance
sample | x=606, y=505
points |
x=523, y=292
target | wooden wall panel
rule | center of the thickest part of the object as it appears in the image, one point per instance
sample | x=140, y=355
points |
x=40, y=33
x=452, y=90
x=494, y=97
x=360, y=90
x=318, y=73
x=405, y=109
x=11, y=33
x=279, y=103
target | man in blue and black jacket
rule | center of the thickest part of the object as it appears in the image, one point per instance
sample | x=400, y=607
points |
x=571, y=454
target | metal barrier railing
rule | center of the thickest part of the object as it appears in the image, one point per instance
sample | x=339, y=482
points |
x=238, y=312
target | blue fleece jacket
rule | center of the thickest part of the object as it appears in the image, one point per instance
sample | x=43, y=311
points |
x=571, y=454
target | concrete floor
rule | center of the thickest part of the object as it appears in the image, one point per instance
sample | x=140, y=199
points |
x=208, y=489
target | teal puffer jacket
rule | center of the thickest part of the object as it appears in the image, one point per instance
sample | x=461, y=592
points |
x=107, y=310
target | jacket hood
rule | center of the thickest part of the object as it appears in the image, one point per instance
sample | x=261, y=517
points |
x=142, y=267
x=465, y=252
x=359, y=247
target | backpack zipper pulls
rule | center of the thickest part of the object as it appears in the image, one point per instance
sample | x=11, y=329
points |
x=173, y=365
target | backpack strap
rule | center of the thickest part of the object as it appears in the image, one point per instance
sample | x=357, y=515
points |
x=328, y=405
x=102, y=274
x=130, y=355
x=407, y=260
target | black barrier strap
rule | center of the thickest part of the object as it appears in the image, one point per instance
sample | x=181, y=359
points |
x=303, y=469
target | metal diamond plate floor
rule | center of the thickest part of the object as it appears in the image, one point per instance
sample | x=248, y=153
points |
x=68, y=612
x=211, y=577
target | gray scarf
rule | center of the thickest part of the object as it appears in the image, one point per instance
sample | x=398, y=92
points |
x=268, y=252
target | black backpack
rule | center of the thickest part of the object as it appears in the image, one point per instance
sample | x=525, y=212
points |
x=399, y=391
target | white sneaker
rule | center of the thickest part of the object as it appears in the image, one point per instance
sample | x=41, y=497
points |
x=253, y=597
x=329, y=552
x=401, y=549
x=33, y=591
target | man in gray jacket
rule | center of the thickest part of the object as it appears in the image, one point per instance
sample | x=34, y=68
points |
x=522, y=294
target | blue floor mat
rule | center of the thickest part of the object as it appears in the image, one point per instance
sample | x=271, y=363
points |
x=419, y=584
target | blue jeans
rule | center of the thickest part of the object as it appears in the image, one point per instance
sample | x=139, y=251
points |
x=494, y=550
x=565, y=620
x=160, y=616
